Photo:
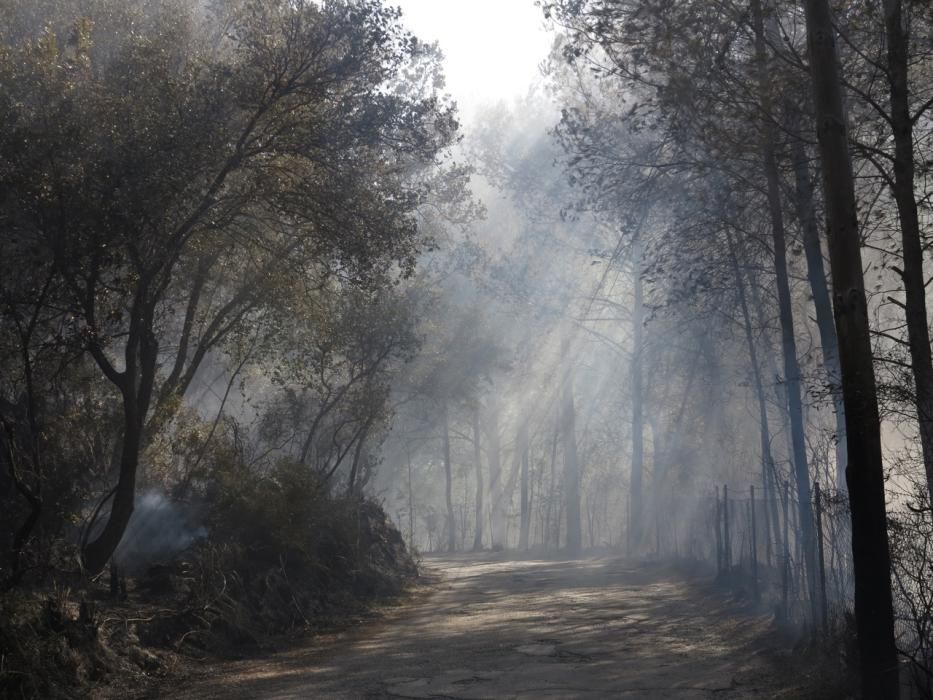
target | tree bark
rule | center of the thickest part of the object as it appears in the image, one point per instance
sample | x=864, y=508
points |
x=874, y=613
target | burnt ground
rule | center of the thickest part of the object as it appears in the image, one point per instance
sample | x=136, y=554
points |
x=489, y=627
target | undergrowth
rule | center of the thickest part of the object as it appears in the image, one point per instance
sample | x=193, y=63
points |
x=283, y=555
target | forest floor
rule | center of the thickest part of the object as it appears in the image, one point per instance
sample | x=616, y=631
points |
x=486, y=626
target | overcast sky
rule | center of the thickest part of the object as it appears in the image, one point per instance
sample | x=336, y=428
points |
x=492, y=47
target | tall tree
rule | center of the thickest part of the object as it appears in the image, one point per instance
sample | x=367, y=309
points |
x=792, y=373
x=480, y=512
x=568, y=434
x=448, y=479
x=525, y=504
x=822, y=304
x=496, y=487
x=874, y=614
x=902, y=122
x=638, y=402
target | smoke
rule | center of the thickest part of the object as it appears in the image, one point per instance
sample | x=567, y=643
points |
x=159, y=531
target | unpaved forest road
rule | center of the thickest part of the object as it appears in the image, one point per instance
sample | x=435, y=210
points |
x=592, y=628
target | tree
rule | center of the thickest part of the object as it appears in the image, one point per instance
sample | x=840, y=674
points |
x=568, y=438
x=902, y=122
x=479, y=512
x=792, y=373
x=874, y=613
x=523, y=449
x=180, y=209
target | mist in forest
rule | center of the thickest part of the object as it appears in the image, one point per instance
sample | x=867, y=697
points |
x=294, y=295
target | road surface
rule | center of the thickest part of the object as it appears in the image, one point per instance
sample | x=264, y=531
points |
x=495, y=628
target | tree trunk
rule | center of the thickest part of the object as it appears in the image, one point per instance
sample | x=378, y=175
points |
x=764, y=429
x=98, y=552
x=792, y=375
x=478, y=462
x=638, y=419
x=354, y=481
x=539, y=528
x=816, y=276
x=571, y=466
x=874, y=613
x=552, y=483
x=497, y=507
x=411, y=505
x=915, y=305
x=448, y=482
x=525, y=502
x=136, y=385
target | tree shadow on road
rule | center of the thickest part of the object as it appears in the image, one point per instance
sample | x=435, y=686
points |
x=495, y=626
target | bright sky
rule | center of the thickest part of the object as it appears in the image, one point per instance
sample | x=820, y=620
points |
x=492, y=47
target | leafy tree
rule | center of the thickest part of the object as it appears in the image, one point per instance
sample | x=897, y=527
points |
x=175, y=175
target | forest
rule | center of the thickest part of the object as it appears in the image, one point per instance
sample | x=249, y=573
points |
x=315, y=382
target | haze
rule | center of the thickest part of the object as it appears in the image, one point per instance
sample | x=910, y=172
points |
x=577, y=348
x=492, y=48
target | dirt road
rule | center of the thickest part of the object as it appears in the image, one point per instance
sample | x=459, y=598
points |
x=592, y=628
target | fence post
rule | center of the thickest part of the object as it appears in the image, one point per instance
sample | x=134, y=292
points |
x=755, y=591
x=819, y=540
